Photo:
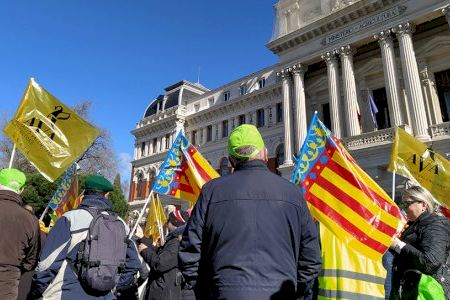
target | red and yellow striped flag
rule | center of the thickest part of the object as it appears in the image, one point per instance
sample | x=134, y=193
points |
x=183, y=172
x=342, y=196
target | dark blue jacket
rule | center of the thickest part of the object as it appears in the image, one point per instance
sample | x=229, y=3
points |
x=250, y=236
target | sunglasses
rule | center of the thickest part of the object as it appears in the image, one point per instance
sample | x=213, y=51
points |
x=406, y=204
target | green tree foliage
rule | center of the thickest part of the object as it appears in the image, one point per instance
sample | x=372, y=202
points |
x=119, y=203
x=38, y=191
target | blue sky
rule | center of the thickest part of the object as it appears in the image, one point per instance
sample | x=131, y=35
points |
x=122, y=54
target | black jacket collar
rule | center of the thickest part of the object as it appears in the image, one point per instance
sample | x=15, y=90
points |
x=251, y=164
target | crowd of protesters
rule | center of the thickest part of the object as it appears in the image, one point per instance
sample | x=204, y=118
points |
x=249, y=236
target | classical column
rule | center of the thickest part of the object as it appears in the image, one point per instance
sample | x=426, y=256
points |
x=298, y=73
x=412, y=80
x=230, y=126
x=391, y=77
x=163, y=143
x=136, y=152
x=158, y=145
x=334, y=92
x=150, y=147
x=286, y=116
x=350, y=96
x=446, y=12
x=431, y=96
x=205, y=134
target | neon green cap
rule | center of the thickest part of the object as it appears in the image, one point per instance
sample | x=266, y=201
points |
x=12, y=179
x=244, y=136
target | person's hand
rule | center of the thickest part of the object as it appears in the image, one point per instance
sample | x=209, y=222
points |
x=395, y=243
x=139, y=232
x=142, y=247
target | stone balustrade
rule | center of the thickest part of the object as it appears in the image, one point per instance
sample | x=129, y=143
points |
x=369, y=139
x=442, y=129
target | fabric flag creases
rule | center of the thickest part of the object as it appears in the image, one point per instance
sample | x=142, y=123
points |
x=342, y=196
x=48, y=133
x=183, y=172
x=373, y=110
x=413, y=159
x=155, y=219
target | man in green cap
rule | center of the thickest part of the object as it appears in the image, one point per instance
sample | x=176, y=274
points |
x=19, y=234
x=250, y=235
x=68, y=269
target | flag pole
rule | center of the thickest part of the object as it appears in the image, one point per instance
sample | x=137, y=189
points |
x=393, y=185
x=13, y=153
x=140, y=214
x=44, y=213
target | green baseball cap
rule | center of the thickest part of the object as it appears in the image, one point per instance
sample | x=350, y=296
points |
x=98, y=183
x=244, y=136
x=12, y=179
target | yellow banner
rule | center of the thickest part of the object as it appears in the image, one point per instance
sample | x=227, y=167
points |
x=155, y=219
x=414, y=160
x=48, y=133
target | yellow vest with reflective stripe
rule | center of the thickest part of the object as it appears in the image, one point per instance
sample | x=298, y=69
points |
x=346, y=274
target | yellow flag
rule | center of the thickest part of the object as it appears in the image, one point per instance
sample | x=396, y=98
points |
x=48, y=133
x=155, y=219
x=347, y=274
x=414, y=160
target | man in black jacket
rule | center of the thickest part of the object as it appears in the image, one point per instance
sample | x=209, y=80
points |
x=250, y=235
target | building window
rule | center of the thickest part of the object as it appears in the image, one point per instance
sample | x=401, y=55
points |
x=243, y=90
x=155, y=143
x=382, y=117
x=261, y=83
x=196, y=107
x=209, y=133
x=260, y=118
x=140, y=186
x=143, y=149
x=241, y=119
x=226, y=96
x=443, y=88
x=224, y=170
x=167, y=141
x=211, y=101
x=225, y=128
x=279, y=112
x=326, y=117
x=194, y=134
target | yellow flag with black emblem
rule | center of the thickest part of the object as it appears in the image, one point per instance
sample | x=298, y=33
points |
x=48, y=133
x=416, y=161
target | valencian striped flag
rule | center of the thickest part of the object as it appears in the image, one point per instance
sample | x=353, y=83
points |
x=67, y=188
x=342, y=196
x=183, y=172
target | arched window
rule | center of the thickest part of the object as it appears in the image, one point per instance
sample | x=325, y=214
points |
x=224, y=166
x=279, y=155
x=140, y=186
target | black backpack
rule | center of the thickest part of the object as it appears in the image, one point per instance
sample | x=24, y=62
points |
x=101, y=256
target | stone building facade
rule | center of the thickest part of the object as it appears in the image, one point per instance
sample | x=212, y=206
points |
x=335, y=57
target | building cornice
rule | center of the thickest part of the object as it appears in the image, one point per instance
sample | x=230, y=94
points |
x=328, y=24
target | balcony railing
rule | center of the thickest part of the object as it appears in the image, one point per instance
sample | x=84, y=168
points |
x=375, y=138
x=439, y=130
